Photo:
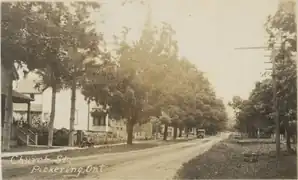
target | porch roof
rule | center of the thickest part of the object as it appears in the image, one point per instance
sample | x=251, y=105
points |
x=19, y=97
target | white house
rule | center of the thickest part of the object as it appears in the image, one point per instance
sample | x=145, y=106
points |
x=42, y=105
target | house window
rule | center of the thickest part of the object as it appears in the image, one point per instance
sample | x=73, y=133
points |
x=102, y=121
x=99, y=121
x=95, y=122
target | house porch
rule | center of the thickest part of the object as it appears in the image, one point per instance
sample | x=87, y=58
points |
x=16, y=98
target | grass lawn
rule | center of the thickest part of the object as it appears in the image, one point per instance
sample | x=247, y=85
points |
x=226, y=161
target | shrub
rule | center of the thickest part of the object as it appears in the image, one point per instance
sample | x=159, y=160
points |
x=60, y=137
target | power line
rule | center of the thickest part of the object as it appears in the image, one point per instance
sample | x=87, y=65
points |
x=247, y=48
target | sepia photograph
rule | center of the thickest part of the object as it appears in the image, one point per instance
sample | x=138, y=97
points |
x=148, y=89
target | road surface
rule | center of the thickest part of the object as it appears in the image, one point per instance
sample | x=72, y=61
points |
x=154, y=163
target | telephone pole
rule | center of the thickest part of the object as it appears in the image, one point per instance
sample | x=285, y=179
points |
x=275, y=105
x=274, y=89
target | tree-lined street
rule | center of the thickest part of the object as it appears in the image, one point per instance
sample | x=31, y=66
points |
x=159, y=79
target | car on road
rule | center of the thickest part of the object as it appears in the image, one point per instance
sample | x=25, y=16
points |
x=200, y=133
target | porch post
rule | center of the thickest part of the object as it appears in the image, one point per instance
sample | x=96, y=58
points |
x=36, y=139
x=28, y=114
x=107, y=122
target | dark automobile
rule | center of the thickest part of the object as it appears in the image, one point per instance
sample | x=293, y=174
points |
x=200, y=133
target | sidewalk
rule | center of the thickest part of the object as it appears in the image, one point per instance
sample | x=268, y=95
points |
x=46, y=151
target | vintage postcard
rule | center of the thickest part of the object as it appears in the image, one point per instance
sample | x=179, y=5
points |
x=149, y=89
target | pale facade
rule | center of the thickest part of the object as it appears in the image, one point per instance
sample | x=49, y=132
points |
x=42, y=104
x=143, y=130
x=119, y=128
x=170, y=130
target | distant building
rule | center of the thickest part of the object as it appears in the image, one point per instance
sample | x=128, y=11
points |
x=143, y=131
x=119, y=128
x=191, y=131
x=170, y=130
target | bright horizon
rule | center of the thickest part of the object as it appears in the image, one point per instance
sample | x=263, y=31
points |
x=207, y=32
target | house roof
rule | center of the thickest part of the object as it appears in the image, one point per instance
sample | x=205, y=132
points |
x=20, y=98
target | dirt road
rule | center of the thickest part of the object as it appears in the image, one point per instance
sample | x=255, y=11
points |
x=154, y=163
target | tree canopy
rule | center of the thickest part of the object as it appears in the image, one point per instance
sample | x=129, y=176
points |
x=149, y=78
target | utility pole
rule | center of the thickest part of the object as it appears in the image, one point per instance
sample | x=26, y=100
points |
x=275, y=105
x=274, y=89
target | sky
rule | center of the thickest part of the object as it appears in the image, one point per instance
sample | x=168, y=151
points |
x=208, y=31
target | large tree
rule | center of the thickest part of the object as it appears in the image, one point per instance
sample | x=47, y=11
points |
x=82, y=50
x=31, y=36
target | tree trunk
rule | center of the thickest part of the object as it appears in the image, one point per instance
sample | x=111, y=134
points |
x=8, y=112
x=165, y=133
x=72, y=112
x=129, y=130
x=180, y=132
x=288, y=141
x=288, y=136
x=52, y=116
x=187, y=131
x=175, y=132
x=294, y=137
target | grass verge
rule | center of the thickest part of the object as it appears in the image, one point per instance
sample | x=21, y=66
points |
x=226, y=161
